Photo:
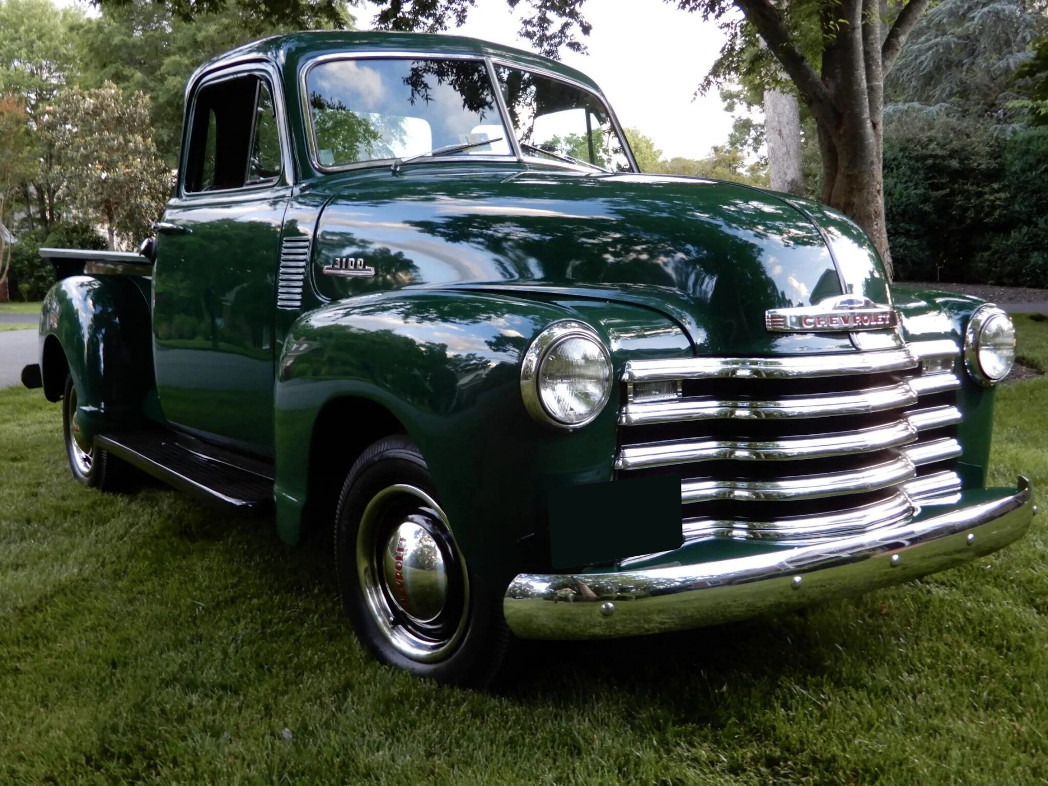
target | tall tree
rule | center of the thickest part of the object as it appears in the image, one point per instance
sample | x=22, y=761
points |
x=111, y=170
x=963, y=56
x=835, y=52
x=38, y=57
x=16, y=164
x=151, y=47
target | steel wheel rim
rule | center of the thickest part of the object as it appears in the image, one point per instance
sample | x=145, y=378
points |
x=424, y=638
x=83, y=459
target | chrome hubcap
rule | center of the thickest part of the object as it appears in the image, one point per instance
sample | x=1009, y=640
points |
x=413, y=572
x=412, y=577
x=80, y=450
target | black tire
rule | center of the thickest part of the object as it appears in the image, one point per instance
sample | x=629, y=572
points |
x=88, y=464
x=413, y=603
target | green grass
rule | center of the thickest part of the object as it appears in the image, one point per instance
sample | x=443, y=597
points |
x=1032, y=340
x=32, y=307
x=148, y=638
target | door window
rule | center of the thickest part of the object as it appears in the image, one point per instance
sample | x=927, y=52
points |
x=235, y=141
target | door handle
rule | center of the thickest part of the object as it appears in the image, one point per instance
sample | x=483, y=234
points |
x=167, y=228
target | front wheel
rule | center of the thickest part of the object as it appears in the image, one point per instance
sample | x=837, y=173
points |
x=411, y=597
x=88, y=464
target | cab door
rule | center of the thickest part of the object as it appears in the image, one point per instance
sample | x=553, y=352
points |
x=217, y=256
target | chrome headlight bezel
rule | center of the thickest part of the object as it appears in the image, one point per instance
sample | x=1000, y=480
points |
x=544, y=346
x=975, y=345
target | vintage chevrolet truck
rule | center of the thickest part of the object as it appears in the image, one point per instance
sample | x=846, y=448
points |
x=415, y=288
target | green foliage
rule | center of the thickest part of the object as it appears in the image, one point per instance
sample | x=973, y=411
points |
x=964, y=54
x=647, y=156
x=963, y=204
x=37, y=49
x=111, y=171
x=1034, y=76
x=152, y=48
x=29, y=269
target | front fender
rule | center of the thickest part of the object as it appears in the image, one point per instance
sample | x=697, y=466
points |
x=445, y=365
x=98, y=330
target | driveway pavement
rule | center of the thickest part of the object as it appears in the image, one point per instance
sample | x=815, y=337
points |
x=19, y=319
x=18, y=348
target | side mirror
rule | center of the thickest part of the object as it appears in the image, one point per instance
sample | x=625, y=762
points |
x=147, y=248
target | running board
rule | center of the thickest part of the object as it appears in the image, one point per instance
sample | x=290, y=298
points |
x=191, y=465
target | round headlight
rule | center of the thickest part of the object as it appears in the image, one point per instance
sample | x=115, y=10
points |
x=989, y=345
x=566, y=375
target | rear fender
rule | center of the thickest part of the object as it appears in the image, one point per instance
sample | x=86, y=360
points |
x=98, y=331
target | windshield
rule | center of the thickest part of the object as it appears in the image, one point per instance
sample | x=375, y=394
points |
x=405, y=109
x=553, y=119
x=372, y=109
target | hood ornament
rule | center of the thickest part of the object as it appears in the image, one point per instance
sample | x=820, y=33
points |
x=842, y=313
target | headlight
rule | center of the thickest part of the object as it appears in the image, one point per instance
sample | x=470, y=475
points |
x=566, y=375
x=989, y=345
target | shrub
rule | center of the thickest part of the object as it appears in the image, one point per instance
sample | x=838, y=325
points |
x=32, y=275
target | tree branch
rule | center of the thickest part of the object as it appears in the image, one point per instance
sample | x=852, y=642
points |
x=900, y=31
x=764, y=16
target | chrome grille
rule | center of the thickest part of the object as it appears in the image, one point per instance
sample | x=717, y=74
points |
x=294, y=258
x=796, y=449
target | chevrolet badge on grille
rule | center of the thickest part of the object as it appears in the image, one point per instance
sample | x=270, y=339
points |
x=840, y=313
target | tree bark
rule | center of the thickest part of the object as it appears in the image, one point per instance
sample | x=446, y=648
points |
x=782, y=131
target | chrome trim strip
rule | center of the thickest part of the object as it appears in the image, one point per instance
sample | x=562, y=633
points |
x=935, y=383
x=934, y=417
x=939, y=484
x=934, y=450
x=829, y=484
x=937, y=348
x=770, y=368
x=661, y=454
x=809, y=529
x=587, y=605
x=819, y=406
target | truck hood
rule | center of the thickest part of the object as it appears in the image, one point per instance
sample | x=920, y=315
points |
x=712, y=256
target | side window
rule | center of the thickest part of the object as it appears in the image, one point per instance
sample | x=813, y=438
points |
x=265, y=151
x=234, y=141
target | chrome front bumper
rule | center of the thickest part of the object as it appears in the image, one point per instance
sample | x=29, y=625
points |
x=631, y=603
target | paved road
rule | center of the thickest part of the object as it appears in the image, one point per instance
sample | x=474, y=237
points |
x=18, y=348
x=19, y=319
x=1025, y=308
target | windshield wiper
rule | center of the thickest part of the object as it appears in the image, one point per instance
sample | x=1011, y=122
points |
x=560, y=156
x=441, y=151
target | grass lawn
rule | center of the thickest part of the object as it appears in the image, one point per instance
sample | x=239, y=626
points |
x=33, y=307
x=147, y=638
x=27, y=309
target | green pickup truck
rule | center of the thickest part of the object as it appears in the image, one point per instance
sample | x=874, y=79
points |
x=415, y=289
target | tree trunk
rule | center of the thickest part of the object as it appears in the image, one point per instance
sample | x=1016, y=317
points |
x=847, y=97
x=782, y=130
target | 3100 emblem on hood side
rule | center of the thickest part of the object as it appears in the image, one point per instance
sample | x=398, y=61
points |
x=840, y=313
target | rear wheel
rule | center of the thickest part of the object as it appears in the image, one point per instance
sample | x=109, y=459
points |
x=90, y=465
x=412, y=599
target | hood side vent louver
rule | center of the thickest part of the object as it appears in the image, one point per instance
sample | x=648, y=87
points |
x=291, y=278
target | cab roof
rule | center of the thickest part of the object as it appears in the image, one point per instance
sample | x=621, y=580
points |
x=288, y=51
